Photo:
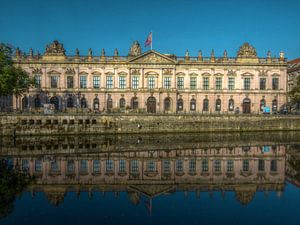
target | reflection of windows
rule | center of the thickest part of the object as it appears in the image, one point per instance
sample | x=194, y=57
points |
x=151, y=166
x=122, y=166
x=109, y=166
x=54, y=166
x=246, y=83
x=38, y=166
x=245, y=165
x=25, y=165
x=230, y=165
x=217, y=165
x=134, y=166
x=96, y=166
x=54, y=81
x=83, y=166
x=193, y=83
x=273, y=165
x=261, y=165
x=192, y=165
x=166, y=166
x=83, y=81
x=167, y=82
x=70, y=166
x=205, y=165
x=231, y=83
x=179, y=165
x=180, y=83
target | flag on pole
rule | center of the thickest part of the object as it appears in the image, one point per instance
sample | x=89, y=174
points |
x=149, y=40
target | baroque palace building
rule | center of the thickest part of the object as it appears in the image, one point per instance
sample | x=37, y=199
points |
x=153, y=82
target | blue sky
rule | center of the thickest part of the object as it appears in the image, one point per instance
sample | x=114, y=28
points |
x=177, y=25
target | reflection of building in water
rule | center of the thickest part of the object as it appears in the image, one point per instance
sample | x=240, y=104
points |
x=293, y=164
x=244, y=169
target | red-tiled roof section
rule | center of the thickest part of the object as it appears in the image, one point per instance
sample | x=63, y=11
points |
x=294, y=61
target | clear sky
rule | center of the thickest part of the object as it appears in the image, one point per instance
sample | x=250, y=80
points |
x=177, y=25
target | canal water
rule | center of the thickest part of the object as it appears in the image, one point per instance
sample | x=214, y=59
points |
x=215, y=178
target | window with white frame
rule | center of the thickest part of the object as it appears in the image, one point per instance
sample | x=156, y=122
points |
x=83, y=81
x=135, y=82
x=193, y=83
x=109, y=82
x=205, y=83
x=218, y=83
x=96, y=82
x=54, y=81
x=180, y=83
x=37, y=81
x=231, y=83
x=151, y=82
x=167, y=82
x=122, y=82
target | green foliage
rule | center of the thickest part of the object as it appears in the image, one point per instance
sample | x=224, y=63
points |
x=12, y=183
x=295, y=92
x=13, y=80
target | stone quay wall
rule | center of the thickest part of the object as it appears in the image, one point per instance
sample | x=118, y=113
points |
x=32, y=124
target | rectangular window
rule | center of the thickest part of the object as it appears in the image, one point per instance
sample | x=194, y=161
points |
x=83, y=81
x=37, y=81
x=231, y=83
x=275, y=83
x=109, y=82
x=122, y=82
x=262, y=83
x=96, y=166
x=218, y=83
x=193, y=83
x=247, y=83
x=205, y=165
x=261, y=165
x=180, y=83
x=167, y=82
x=134, y=167
x=70, y=82
x=205, y=83
x=192, y=165
x=109, y=166
x=96, y=82
x=38, y=166
x=245, y=165
x=151, y=166
x=135, y=82
x=273, y=165
x=166, y=166
x=122, y=166
x=83, y=168
x=218, y=165
x=179, y=165
x=54, y=81
x=151, y=82
x=230, y=165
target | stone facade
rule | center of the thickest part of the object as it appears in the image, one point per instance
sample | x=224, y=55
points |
x=153, y=82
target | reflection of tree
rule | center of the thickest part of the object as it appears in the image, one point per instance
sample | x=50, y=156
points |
x=12, y=183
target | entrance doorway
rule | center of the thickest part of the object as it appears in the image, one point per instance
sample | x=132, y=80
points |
x=151, y=105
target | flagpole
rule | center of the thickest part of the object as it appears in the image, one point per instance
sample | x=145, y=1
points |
x=151, y=39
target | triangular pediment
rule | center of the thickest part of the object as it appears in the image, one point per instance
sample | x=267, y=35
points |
x=152, y=57
x=152, y=190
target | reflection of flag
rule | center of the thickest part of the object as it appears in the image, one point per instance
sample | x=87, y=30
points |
x=148, y=40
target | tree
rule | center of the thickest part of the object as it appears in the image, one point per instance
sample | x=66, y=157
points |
x=13, y=80
x=295, y=94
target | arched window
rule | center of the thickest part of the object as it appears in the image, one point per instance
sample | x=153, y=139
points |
x=96, y=104
x=37, y=102
x=231, y=105
x=218, y=105
x=193, y=105
x=274, y=105
x=25, y=102
x=151, y=105
x=180, y=104
x=83, y=103
x=122, y=103
x=167, y=104
x=109, y=103
x=70, y=103
x=262, y=104
x=55, y=101
x=205, y=105
x=134, y=103
x=246, y=105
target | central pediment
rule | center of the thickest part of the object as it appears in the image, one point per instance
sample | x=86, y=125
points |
x=152, y=57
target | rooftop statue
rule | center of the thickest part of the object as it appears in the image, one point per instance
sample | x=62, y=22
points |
x=247, y=51
x=55, y=49
x=135, y=49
